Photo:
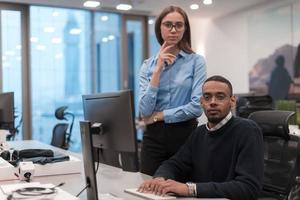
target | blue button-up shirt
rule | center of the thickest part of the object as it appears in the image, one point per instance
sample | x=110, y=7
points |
x=179, y=90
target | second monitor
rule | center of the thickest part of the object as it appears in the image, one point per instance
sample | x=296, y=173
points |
x=7, y=111
x=114, y=136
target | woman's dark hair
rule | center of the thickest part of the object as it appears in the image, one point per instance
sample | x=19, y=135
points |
x=185, y=43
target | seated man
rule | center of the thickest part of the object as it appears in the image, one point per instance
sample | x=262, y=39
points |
x=221, y=159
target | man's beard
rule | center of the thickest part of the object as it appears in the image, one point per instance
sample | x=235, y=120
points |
x=214, y=120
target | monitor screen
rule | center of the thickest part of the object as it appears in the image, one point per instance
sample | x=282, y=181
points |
x=247, y=104
x=7, y=110
x=114, y=142
x=117, y=139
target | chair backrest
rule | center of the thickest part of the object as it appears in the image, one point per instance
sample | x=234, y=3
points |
x=59, y=135
x=274, y=123
x=281, y=152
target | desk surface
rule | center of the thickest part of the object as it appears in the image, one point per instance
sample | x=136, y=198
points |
x=109, y=179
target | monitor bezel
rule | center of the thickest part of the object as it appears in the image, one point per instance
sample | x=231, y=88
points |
x=7, y=118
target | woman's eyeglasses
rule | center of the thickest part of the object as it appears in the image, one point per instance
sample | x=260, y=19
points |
x=179, y=26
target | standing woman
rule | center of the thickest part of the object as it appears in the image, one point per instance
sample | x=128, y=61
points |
x=170, y=90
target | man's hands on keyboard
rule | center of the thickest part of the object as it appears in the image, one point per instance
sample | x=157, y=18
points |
x=160, y=186
x=148, y=195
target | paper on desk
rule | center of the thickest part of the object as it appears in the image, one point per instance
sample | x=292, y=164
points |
x=60, y=194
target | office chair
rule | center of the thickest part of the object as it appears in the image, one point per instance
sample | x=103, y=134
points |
x=281, y=153
x=60, y=135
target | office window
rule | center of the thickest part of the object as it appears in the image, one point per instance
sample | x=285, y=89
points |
x=60, y=67
x=11, y=59
x=107, y=40
x=153, y=44
x=135, y=57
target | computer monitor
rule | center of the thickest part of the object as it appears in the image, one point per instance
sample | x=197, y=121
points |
x=7, y=111
x=108, y=134
x=249, y=103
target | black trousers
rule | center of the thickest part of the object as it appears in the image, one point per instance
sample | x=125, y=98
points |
x=161, y=141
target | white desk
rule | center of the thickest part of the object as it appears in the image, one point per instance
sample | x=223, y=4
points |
x=109, y=179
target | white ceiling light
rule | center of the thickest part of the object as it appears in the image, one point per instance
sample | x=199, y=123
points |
x=207, y=2
x=194, y=6
x=104, y=18
x=105, y=39
x=91, y=4
x=151, y=21
x=124, y=5
x=111, y=37
x=75, y=31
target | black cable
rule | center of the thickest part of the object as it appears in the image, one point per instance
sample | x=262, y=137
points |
x=97, y=168
x=88, y=185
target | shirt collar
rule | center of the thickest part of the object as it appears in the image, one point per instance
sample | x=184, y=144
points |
x=220, y=124
x=182, y=54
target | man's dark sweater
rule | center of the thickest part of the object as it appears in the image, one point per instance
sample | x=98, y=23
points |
x=226, y=163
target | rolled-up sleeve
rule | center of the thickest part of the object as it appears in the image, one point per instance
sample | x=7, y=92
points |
x=193, y=108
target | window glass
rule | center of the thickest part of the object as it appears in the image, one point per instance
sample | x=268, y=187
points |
x=60, y=67
x=107, y=38
x=153, y=44
x=135, y=57
x=11, y=60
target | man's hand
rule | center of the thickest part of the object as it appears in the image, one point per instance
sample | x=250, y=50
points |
x=161, y=187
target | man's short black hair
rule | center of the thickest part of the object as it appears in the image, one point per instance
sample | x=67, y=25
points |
x=220, y=79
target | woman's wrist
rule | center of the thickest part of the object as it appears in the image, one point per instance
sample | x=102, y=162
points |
x=157, y=70
x=159, y=116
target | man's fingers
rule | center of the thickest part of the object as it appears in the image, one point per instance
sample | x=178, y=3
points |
x=144, y=186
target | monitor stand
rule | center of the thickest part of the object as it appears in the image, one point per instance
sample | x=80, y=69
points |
x=88, y=159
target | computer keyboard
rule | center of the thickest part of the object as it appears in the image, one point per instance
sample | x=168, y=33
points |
x=148, y=195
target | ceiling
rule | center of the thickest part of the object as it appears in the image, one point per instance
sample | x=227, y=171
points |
x=219, y=8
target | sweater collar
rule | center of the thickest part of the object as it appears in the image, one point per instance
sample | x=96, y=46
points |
x=220, y=124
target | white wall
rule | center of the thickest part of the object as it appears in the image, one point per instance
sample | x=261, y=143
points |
x=225, y=44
